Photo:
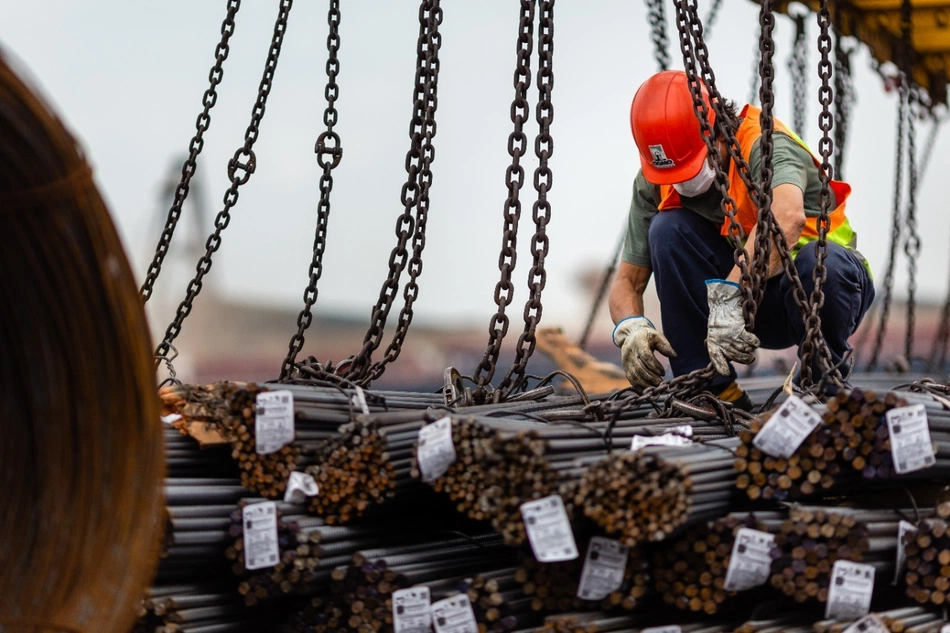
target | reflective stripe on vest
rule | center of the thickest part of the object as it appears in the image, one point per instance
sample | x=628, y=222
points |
x=750, y=129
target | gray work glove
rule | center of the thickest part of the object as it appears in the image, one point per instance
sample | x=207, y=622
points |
x=638, y=340
x=726, y=336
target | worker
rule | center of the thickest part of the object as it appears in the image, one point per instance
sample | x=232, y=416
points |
x=677, y=229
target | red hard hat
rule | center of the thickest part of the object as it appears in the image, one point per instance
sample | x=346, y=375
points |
x=665, y=128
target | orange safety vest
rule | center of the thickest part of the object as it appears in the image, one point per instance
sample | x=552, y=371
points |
x=750, y=129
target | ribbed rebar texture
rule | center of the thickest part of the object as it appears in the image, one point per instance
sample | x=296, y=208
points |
x=81, y=461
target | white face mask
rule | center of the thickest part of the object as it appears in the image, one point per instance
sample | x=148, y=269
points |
x=698, y=184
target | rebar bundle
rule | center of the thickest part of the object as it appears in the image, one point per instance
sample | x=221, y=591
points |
x=553, y=587
x=647, y=495
x=927, y=551
x=81, y=461
x=691, y=569
x=902, y=620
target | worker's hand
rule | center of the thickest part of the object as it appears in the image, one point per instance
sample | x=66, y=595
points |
x=638, y=340
x=726, y=336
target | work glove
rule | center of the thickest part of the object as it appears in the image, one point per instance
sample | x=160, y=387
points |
x=638, y=340
x=726, y=336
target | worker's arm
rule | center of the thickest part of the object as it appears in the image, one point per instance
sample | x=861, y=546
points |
x=788, y=207
x=626, y=292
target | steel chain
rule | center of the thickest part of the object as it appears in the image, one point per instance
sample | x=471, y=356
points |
x=813, y=334
x=541, y=210
x=424, y=93
x=210, y=97
x=240, y=168
x=661, y=43
x=798, y=74
x=329, y=153
x=912, y=244
x=514, y=179
x=896, y=226
x=754, y=80
x=711, y=16
x=844, y=97
x=430, y=104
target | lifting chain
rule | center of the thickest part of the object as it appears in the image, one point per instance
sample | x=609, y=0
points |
x=415, y=200
x=514, y=179
x=541, y=210
x=661, y=43
x=202, y=124
x=711, y=17
x=813, y=337
x=754, y=79
x=797, y=64
x=912, y=244
x=329, y=153
x=844, y=96
x=240, y=168
x=904, y=126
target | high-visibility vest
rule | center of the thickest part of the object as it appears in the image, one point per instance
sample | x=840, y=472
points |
x=750, y=129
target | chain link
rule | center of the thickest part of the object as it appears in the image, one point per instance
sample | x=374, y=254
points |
x=240, y=168
x=813, y=334
x=844, y=97
x=329, y=153
x=415, y=200
x=210, y=97
x=797, y=63
x=711, y=17
x=661, y=43
x=912, y=244
x=514, y=179
x=541, y=210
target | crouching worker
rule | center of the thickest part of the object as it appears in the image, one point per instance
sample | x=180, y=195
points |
x=678, y=231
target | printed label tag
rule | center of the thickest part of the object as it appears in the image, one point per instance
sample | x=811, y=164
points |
x=300, y=486
x=436, y=452
x=750, y=562
x=677, y=436
x=849, y=594
x=603, y=570
x=910, y=439
x=673, y=628
x=903, y=529
x=170, y=418
x=787, y=428
x=274, y=422
x=945, y=628
x=359, y=400
x=454, y=615
x=260, y=535
x=549, y=530
x=868, y=624
x=411, y=612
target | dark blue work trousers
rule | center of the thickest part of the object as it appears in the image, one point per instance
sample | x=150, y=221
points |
x=686, y=250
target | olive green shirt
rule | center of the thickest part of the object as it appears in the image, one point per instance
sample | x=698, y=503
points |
x=791, y=164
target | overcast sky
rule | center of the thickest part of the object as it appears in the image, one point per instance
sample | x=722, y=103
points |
x=128, y=79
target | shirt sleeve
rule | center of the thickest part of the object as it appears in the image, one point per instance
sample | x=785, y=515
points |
x=790, y=162
x=643, y=206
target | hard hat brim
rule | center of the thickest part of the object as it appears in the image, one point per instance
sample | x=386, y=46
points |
x=673, y=175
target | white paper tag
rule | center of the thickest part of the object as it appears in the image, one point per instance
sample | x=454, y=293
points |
x=274, y=423
x=260, y=535
x=300, y=486
x=359, y=400
x=411, y=612
x=750, y=562
x=849, y=594
x=945, y=628
x=549, y=530
x=868, y=624
x=603, y=570
x=910, y=438
x=673, y=628
x=171, y=417
x=436, y=452
x=454, y=615
x=903, y=529
x=677, y=436
x=787, y=428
